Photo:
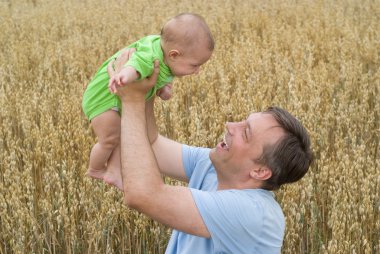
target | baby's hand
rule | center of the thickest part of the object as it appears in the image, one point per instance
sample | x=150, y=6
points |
x=165, y=93
x=112, y=84
x=115, y=66
x=123, y=77
x=117, y=80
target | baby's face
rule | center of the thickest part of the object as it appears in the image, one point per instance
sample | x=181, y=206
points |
x=189, y=62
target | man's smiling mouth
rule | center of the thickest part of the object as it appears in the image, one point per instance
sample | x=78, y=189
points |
x=224, y=143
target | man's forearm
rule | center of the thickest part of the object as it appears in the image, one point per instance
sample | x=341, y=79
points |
x=151, y=121
x=139, y=167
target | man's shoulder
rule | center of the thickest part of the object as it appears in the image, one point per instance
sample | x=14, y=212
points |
x=254, y=219
x=258, y=201
x=263, y=198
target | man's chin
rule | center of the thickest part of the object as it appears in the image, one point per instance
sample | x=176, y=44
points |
x=212, y=154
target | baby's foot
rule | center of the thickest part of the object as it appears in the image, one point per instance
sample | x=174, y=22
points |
x=165, y=93
x=113, y=178
x=96, y=173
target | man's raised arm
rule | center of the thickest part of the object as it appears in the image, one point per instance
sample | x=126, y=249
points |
x=168, y=152
x=144, y=189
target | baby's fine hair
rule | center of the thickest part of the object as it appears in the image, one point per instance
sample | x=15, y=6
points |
x=189, y=29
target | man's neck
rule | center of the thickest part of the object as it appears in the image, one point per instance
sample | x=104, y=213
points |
x=238, y=185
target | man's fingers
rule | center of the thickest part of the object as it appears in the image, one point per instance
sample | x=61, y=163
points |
x=156, y=70
x=130, y=52
x=157, y=65
x=165, y=93
x=124, y=56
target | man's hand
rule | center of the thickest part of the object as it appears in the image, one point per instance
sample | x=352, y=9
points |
x=165, y=93
x=138, y=89
x=124, y=56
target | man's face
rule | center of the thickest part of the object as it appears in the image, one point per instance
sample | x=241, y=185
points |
x=243, y=143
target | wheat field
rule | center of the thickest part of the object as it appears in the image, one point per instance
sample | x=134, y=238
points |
x=318, y=59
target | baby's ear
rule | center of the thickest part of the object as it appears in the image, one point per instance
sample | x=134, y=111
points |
x=174, y=53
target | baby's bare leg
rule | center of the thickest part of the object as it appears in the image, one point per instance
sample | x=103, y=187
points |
x=107, y=128
x=113, y=173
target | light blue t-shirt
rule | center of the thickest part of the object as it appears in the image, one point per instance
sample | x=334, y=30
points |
x=239, y=221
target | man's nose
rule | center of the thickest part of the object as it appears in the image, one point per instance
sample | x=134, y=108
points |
x=232, y=126
x=197, y=70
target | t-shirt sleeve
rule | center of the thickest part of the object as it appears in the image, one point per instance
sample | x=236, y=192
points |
x=232, y=219
x=191, y=156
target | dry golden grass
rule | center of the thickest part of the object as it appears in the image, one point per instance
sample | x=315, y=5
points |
x=318, y=59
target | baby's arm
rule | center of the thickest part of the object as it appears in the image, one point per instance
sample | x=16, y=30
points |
x=126, y=75
x=120, y=75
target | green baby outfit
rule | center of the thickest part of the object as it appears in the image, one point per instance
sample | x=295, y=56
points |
x=97, y=98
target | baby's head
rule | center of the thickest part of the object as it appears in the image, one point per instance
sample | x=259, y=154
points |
x=187, y=43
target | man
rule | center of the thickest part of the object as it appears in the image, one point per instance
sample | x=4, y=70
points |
x=228, y=206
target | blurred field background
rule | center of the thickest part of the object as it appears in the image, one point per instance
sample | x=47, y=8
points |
x=318, y=59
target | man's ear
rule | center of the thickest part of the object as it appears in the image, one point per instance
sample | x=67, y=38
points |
x=173, y=54
x=262, y=173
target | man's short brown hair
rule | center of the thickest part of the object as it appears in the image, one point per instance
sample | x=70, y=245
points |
x=290, y=157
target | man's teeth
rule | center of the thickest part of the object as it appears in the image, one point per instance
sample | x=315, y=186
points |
x=224, y=145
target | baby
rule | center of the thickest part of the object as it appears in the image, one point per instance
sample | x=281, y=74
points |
x=184, y=45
